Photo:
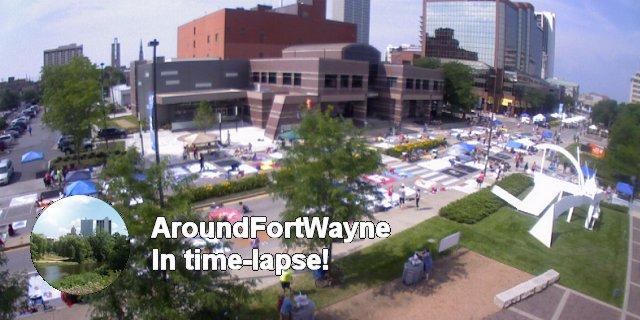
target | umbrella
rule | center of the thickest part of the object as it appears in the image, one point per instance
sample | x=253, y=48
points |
x=547, y=134
x=32, y=156
x=513, y=144
x=624, y=188
x=82, y=187
x=199, y=138
x=77, y=175
x=226, y=213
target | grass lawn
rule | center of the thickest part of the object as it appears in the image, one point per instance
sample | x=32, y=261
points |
x=128, y=123
x=50, y=258
x=593, y=263
x=85, y=283
x=113, y=146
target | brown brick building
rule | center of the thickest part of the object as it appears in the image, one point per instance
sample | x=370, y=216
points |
x=261, y=32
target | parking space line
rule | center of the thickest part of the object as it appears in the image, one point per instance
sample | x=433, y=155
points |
x=429, y=175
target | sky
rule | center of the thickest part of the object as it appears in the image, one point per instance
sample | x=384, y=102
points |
x=58, y=219
x=597, y=41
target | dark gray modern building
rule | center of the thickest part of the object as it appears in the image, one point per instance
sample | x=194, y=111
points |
x=354, y=11
x=62, y=54
x=269, y=92
x=115, y=54
x=499, y=33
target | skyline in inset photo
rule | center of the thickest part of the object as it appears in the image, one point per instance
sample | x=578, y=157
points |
x=86, y=215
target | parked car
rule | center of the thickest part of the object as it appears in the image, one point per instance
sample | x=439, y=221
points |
x=14, y=133
x=34, y=109
x=112, y=133
x=6, y=171
x=21, y=121
x=28, y=113
x=17, y=127
x=66, y=144
x=7, y=139
x=2, y=146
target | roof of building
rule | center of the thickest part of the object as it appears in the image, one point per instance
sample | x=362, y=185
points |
x=561, y=82
x=325, y=47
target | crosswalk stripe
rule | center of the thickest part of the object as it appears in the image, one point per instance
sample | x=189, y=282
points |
x=450, y=181
x=436, y=179
x=401, y=165
x=429, y=175
x=419, y=171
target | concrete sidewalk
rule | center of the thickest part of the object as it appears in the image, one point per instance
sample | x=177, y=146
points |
x=631, y=306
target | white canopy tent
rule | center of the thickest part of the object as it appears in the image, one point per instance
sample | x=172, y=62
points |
x=539, y=117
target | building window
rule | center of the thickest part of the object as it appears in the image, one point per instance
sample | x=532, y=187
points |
x=425, y=84
x=263, y=77
x=203, y=85
x=194, y=43
x=435, y=85
x=330, y=81
x=255, y=76
x=194, y=30
x=168, y=73
x=272, y=77
x=391, y=82
x=216, y=37
x=231, y=75
x=297, y=79
x=208, y=38
x=344, y=81
x=260, y=55
x=172, y=82
x=261, y=37
x=408, y=84
x=286, y=79
x=356, y=82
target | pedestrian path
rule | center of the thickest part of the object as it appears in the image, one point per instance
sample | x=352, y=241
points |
x=631, y=305
x=23, y=200
x=406, y=169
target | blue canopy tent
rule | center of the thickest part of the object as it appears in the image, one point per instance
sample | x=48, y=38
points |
x=77, y=175
x=547, y=134
x=467, y=147
x=524, y=114
x=140, y=177
x=32, y=156
x=624, y=188
x=82, y=187
x=514, y=144
x=497, y=122
x=588, y=173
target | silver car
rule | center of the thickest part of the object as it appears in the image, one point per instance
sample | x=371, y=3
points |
x=6, y=171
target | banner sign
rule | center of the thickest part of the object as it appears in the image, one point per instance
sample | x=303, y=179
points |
x=449, y=241
x=152, y=133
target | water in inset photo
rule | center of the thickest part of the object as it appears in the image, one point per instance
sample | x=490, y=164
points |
x=79, y=245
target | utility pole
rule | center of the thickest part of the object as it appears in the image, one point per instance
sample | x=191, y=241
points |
x=495, y=84
x=155, y=44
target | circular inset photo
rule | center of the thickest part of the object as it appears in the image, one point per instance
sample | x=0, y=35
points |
x=79, y=245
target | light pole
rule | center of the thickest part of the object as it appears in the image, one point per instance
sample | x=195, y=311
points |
x=220, y=125
x=235, y=110
x=155, y=44
x=495, y=84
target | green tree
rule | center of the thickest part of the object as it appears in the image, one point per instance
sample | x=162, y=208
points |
x=9, y=99
x=74, y=247
x=119, y=255
x=533, y=98
x=429, y=63
x=72, y=96
x=458, y=86
x=550, y=103
x=142, y=293
x=30, y=96
x=605, y=112
x=12, y=289
x=623, y=151
x=321, y=177
x=39, y=246
x=204, y=117
x=101, y=246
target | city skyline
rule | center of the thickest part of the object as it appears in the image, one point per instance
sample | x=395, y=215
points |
x=597, y=43
x=59, y=218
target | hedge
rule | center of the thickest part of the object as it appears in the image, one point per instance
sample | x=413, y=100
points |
x=425, y=144
x=92, y=158
x=615, y=207
x=483, y=203
x=226, y=188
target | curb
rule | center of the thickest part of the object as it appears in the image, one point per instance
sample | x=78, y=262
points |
x=6, y=249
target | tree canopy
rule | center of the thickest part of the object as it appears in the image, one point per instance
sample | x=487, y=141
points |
x=321, y=176
x=427, y=62
x=204, y=117
x=458, y=86
x=12, y=287
x=605, y=112
x=623, y=151
x=9, y=99
x=71, y=96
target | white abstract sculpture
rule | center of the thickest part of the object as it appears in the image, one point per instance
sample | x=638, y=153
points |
x=547, y=193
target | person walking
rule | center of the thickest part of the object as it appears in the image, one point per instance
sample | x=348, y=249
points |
x=417, y=198
x=201, y=163
x=29, y=129
x=402, y=195
x=195, y=152
x=285, y=280
x=480, y=180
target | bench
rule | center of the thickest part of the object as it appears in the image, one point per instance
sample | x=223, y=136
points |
x=526, y=289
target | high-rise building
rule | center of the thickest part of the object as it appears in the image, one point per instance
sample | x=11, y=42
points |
x=73, y=231
x=354, y=11
x=115, y=54
x=140, y=53
x=103, y=225
x=86, y=227
x=499, y=33
x=261, y=32
x=547, y=22
x=634, y=95
x=62, y=55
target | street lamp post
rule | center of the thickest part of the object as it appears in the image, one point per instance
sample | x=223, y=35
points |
x=155, y=44
x=236, y=113
x=220, y=125
x=495, y=84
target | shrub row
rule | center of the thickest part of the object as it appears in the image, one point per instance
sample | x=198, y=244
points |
x=483, y=203
x=93, y=158
x=424, y=144
x=226, y=188
x=615, y=207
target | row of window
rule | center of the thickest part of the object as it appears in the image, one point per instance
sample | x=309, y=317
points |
x=331, y=81
x=288, y=78
x=414, y=84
